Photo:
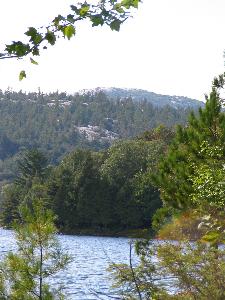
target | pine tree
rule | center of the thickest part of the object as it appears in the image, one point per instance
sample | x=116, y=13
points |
x=32, y=165
x=24, y=274
x=176, y=169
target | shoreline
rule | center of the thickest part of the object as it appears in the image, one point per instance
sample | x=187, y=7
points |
x=142, y=233
x=129, y=233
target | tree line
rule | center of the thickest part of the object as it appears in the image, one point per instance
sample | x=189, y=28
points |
x=109, y=190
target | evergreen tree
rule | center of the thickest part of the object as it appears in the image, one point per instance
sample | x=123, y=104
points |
x=176, y=169
x=32, y=170
x=32, y=165
x=192, y=179
x=11, y=198
x=39, y=256
x=76, y=190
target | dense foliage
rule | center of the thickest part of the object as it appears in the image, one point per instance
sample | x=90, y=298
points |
x=182, y=272
x=57, y=123
x=191, y=180
x=101, y=191
x=193, y=146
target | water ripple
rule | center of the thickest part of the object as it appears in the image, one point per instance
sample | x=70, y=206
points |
x=86, y=278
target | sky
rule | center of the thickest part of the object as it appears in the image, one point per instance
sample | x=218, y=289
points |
x=172, y=47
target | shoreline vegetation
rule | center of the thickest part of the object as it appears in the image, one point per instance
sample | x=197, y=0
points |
x=167, y=182
x=96, y=191
x=190, y=179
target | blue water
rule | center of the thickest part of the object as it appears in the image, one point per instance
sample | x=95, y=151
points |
x=86, y=277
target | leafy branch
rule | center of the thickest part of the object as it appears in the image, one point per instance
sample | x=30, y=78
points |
x=109, y=12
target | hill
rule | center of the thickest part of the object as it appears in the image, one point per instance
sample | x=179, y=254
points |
x=57, y=123
x=159, y=100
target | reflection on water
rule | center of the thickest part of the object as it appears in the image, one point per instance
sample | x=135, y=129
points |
x=86, y=277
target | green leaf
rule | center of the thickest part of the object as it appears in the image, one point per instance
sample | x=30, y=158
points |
x=119, y=8
x=69, y=31
x=36, y=51
x=126, y=3
x=31, y=31
x=97, y=20
x=115, y=25
x=18, y=48
x=22, y=75
x=130, y=3
x=33, y=61
x=135, y=3
x=70, y=18
x=35, y=37
x=57, y=20
x=84, y=10
x=74, y=8
x=50, y=37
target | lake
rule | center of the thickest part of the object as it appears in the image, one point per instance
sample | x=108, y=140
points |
x=86, y=277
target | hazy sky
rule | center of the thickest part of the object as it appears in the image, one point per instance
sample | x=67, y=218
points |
x=169, y=47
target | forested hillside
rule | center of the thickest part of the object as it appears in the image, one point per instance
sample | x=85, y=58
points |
x=57, y=123
x=153, y=98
